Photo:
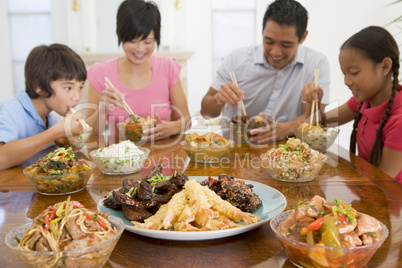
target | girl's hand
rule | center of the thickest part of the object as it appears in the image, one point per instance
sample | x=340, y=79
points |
x=311, y=93
x=160, y=131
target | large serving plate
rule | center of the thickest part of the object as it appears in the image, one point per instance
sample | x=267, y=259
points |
x=273, y=203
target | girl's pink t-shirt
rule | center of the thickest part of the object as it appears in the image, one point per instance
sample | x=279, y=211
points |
x=369, y=122
x=152, y=99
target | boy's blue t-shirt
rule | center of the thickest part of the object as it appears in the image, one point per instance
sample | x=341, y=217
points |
x=19, y=119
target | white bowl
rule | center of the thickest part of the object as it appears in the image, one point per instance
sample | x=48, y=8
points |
x=120, y=165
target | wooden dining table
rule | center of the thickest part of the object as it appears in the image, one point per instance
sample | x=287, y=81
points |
x=344, y=176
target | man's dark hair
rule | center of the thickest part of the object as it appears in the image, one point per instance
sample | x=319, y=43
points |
x=137, y=18
x=287, y=13
x=46, y=64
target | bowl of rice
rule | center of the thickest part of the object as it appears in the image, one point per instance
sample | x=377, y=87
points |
x=121, y=158
x=293, y=161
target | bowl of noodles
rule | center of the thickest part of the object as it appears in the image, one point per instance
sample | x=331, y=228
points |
x=60, y=172
x=317, y=137
x=66, y=235
x=293, y=161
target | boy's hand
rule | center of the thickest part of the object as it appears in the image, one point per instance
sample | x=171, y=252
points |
x=230, y=94
x=312, y=93
x=71, y=125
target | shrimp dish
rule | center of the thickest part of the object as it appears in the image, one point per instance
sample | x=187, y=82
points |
x=318, y=233
x=197, y=208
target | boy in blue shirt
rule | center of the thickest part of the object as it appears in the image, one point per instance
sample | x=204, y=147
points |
x=54, y=78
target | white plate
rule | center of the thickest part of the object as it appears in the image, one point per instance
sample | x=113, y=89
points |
x=273, y=203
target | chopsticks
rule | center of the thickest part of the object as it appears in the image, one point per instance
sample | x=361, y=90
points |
x=234, y=81
x=126, y=107
x=314, y=106
x=82, y=121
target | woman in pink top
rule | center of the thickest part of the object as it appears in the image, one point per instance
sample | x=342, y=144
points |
x=150, y=85
x=370, y=63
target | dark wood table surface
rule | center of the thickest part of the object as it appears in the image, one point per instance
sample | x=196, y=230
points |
x=344, y=176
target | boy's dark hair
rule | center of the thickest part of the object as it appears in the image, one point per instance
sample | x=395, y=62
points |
x=46, y=64
x=287, y=13
x=375, y=43
x=137, y=18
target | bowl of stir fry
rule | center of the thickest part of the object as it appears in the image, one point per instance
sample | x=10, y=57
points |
x=317, y=137
x=318, y=233
x=293, y=161
x=66, y=234
x=208, y=148
x=60, y=172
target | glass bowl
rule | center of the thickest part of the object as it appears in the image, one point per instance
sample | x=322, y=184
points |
x=292, y=172
x=90, y=256
x=135, y=130
x=61, y=184
x=76, y=142
x=306, y=255
x=119, y=165
x=319, y=141
x=208, y=154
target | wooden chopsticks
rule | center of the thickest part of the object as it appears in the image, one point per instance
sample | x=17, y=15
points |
x=82, y=121
x=126, y=107
x=314, y=106
x=234, y=81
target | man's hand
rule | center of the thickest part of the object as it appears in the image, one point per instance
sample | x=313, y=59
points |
x=272, y=132
x=230, y=94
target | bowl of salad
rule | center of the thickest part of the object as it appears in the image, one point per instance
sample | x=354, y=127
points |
x=66, y=234
x=318, y=233
x=121, y=158
x=60, y=172
x=317, y=137
x=76, y=142
x=293, y=161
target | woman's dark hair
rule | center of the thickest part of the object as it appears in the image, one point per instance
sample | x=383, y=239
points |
x=375, y=43
x=288, y=13
x=137, y=18
x=46, y=64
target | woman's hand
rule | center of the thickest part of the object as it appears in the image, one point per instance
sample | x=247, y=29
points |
x=161, y=130
x=111, y=96
x=311, y=93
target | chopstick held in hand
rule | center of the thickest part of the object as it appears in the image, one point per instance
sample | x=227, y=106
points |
x=234, y=81
x=82, y=121
x=126, y=107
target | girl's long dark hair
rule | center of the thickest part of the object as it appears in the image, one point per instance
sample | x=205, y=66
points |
x=376, y=43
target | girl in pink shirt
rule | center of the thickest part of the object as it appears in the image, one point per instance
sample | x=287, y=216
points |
x=150, y=85
x=370, y=63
